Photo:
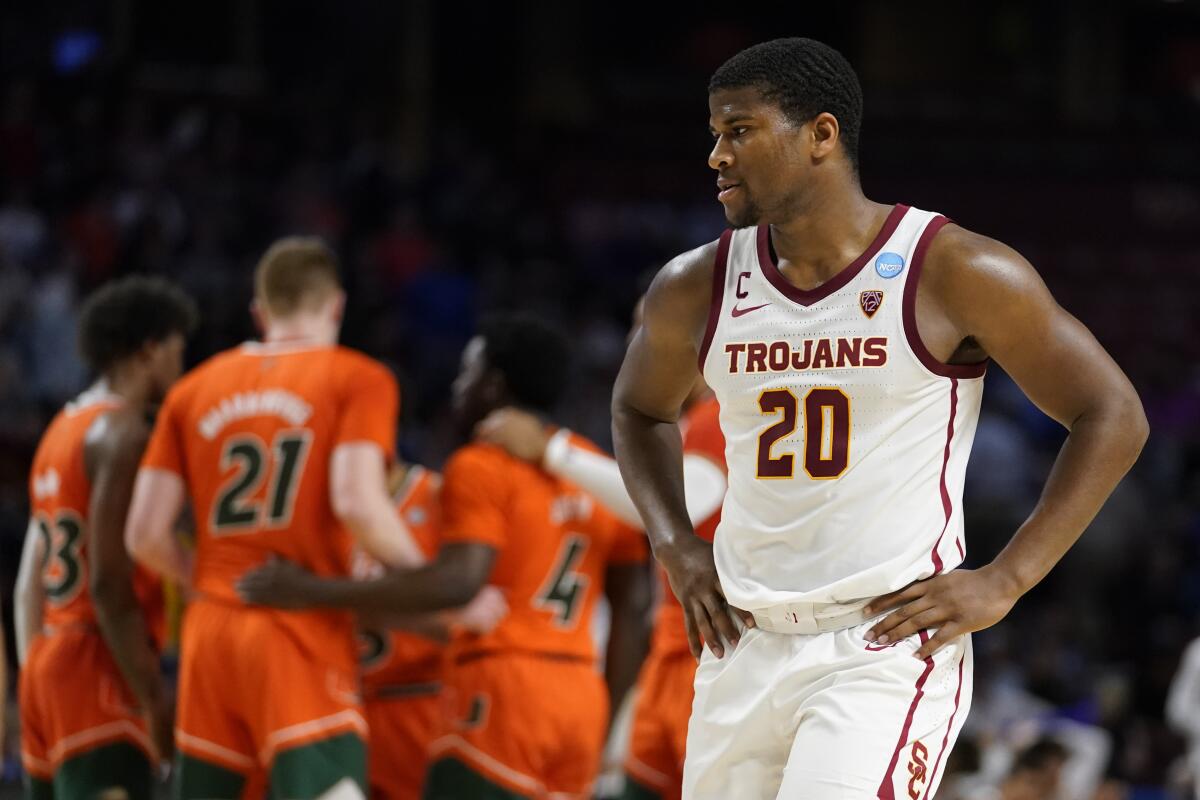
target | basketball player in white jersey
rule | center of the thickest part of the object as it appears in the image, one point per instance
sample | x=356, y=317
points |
x=846, y=342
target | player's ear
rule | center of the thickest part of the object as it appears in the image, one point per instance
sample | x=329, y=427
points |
x=338, y=307
x=825, y=133
x=259, y=314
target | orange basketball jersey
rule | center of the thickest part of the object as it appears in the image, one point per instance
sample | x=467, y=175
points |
x=251, y=431
x=701, y=428
x=59, y=496
x=553, y=544
x=396, y=658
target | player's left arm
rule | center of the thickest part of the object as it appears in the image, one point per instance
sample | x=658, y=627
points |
x=451, y=580
x=112, y=452
x=978, y=289
x=628, y=588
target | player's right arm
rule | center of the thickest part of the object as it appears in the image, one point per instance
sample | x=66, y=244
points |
x=28, y=594
x=658, y=372
x=525, y=436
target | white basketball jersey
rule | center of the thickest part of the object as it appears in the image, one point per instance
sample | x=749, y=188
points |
x=846, y=441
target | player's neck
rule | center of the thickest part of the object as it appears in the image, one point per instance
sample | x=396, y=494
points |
x=300, y=331
x=821, y=240
x=131, y=385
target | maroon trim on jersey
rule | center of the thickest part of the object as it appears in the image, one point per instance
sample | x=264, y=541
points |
x=720, y=266
x=911, y=333
x=886, y=790
x=806, y=297
x=949, y=727
x=947, y=506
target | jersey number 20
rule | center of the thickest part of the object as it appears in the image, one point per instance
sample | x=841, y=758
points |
x=826, y=433
x=250, y=460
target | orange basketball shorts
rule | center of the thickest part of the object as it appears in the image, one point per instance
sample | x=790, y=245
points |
x=404, y=721
x=266, y=699
x=660, y=723
x=520, y=725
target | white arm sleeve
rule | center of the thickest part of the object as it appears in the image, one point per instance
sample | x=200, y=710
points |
x=703, y=481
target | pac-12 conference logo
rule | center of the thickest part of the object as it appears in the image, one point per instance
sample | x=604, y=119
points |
x=889, y=265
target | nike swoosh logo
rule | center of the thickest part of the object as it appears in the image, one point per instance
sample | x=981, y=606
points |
x=737, y=312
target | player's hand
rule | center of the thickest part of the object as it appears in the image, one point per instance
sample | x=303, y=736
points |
x=693, y=576
x=484, y=612
x=277, y=583
x=160, y=719
x=522, y=434
x=959, y=602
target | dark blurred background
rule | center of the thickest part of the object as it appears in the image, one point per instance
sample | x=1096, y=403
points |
x=464, y=157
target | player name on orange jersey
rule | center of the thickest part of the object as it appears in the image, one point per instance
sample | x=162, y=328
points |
x=784, y=356
x=269, y=402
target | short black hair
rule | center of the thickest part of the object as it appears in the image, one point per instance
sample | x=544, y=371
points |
x=532, y=355
x=1040, y=755
x=119, y=318
x=805, y=78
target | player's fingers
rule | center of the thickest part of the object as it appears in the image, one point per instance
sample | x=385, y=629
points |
x=746, y=617
x=693, y=633
x=917, y=622
x=896, y=598
x=707, y=631
x=722, y=617
x=945, y=635
x=882, y=632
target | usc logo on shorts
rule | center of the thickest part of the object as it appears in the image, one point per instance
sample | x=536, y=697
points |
x=917, y=769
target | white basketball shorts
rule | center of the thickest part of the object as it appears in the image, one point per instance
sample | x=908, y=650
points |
x=827, y=716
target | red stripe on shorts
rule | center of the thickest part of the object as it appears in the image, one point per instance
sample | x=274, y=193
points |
x=885, y=787
x=949, y=727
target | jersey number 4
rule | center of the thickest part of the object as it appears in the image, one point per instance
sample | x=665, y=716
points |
x=250, y=459
x=563, y=591
x=826, y=433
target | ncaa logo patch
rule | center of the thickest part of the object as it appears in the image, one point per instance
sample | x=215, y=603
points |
x=870, y=301
x=889, y=264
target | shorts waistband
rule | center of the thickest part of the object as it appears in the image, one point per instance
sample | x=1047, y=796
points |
x=71, y=627
x=399, y=690
x=476, y=655
x=810, y=618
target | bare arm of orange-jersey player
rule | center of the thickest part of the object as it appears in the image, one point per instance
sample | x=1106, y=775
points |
x=28, y=595
x=112, y=450
x=475, y=530
x=158, y=498
x=364, y=443
x=360, y=499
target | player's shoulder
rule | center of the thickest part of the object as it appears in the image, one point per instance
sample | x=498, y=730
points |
x=957, y=255
x=475, y=458
x=351, y=363
x=120, y=431
x=687, y=276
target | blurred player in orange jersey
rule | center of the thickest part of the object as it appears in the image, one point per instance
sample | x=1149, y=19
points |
x=282, y=448
x=402, y=670
x=93, y=714
x=654, y=765
x=527, y=709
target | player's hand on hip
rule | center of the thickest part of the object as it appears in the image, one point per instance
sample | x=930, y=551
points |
x=278, y=583
x=484, y=612
x=693, y=576
x=956, y=603
x=522, y=434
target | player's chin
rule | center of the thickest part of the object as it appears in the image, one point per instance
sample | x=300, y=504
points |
x=741, y=215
